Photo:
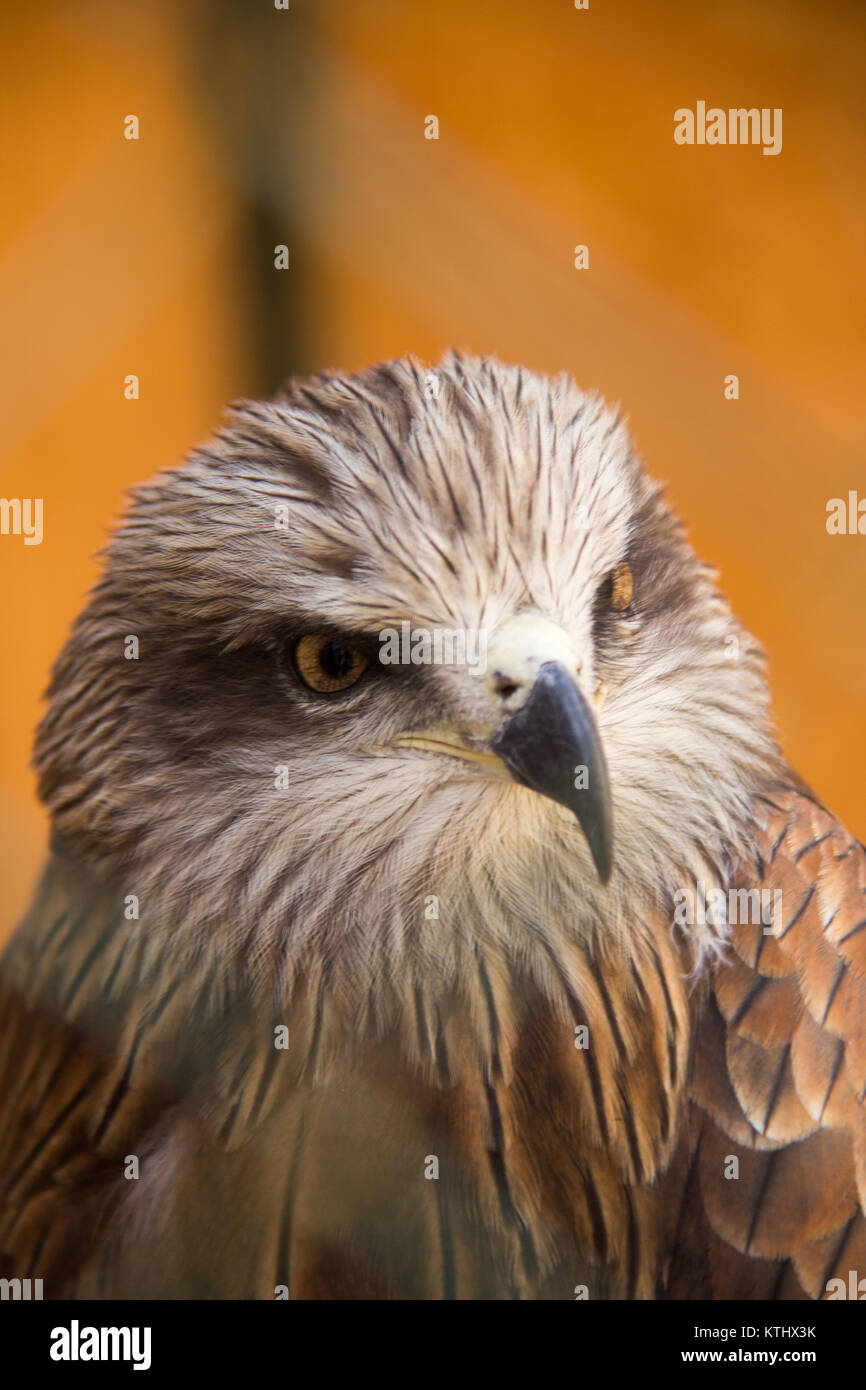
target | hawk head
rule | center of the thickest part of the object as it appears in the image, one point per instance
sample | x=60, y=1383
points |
x=249, y=729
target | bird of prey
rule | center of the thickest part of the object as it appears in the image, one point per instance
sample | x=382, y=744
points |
x=362, y=978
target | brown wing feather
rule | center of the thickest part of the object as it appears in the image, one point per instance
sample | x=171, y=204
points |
x=780, y=1076
x=68, y=1118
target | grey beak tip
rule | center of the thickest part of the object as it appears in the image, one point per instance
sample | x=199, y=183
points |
x=603, y=861
x=553, y=732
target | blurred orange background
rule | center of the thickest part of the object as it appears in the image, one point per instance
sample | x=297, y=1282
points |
x=305, y=126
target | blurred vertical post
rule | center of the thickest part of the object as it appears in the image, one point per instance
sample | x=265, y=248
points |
x=258, y=82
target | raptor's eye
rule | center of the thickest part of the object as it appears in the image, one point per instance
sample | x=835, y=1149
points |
x=326, y=664
x=621, y=584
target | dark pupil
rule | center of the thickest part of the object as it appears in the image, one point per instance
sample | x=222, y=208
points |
x=335, y=660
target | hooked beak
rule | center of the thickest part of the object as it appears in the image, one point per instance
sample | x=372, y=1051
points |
x=546, y=736
x=552, y=745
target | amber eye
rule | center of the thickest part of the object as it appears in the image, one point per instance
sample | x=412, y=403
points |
x=326, y=664
x=621, y=586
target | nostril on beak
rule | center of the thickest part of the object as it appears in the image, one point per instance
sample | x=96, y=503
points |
x=504, y=685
